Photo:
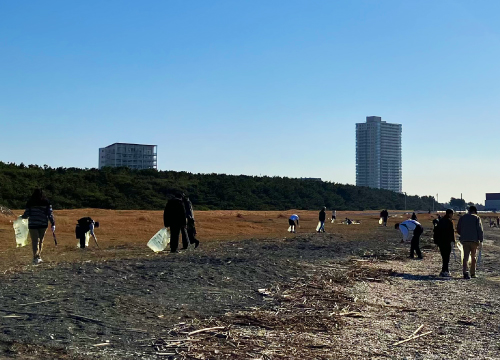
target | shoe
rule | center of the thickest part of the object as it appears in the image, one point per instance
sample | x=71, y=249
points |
x=466, y=276
x=40, y=260
x=420, y=258
x=445, y=274
x=196, y=244
x=473, y=276
x=35, y=261
x=411, y=257
x=174, y=252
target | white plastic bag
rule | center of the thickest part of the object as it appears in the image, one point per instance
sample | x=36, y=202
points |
x=87, y=239
x=461, y=248
x=290, y=228
x=21, y=230
x=380, y=221
x=318, y=226
x=160, y=241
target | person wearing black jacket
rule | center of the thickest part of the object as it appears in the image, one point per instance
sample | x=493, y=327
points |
x=38, y=212
x=86, y=224
x=322, y=218
x=174, y=216
x=444, y=237
x=191, y=229
x=384, y=215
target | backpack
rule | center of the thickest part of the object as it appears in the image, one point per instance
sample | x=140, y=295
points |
x=438, y=232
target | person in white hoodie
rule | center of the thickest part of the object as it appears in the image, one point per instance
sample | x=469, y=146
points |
x=411, y=228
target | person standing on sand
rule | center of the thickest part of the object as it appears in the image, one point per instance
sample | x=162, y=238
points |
x=384, y=215
x=191, y=230
x=470, y=229
x=85, y=224
x=322, y=218
x=38, y=212
x=291, y=222
x=408, y=228
x=444, y=238
x=334, y=215
x=414, y=216
x=174, y=216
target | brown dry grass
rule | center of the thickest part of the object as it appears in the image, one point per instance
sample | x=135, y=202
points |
x=124, y=233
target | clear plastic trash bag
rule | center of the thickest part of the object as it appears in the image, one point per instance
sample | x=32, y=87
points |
x=160, y=240
x=21, y=230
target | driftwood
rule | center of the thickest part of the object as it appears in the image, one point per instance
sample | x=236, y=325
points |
x=44, y=301
x=206, y=329
x=411, y=338
x=416, y=331
x=102, y=344
x=354, y=314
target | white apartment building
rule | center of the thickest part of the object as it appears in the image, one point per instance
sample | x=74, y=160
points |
x=134, y=156
x=378, y=154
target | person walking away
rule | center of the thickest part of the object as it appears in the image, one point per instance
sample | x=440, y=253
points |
x=322, y=218
x=414, y=216
x=384, y=215
x=334, y=216
x=291, y=222
x=498, y=221
x=85, y=225
x=191, y=229
x=174, y=216
x=409, y=228
x=470, y=229
x=444, y=238
x=39, y=213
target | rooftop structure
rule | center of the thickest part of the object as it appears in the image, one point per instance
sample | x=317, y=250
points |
x=378, y=154
x=134, y=156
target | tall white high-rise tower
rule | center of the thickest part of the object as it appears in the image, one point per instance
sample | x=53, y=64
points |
x=378, y=154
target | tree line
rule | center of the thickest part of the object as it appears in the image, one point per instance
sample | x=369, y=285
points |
x=124, y=188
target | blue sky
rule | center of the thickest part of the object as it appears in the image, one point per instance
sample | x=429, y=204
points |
x=256, y=87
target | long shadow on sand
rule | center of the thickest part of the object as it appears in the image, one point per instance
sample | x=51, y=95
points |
x=418, y=277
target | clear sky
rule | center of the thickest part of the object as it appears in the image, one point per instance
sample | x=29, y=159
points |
x=256, y=87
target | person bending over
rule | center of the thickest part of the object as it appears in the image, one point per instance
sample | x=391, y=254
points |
x=85, y=225
x=291, y=222
x=409, y=228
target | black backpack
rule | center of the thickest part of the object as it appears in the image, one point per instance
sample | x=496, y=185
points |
x=437, y=232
